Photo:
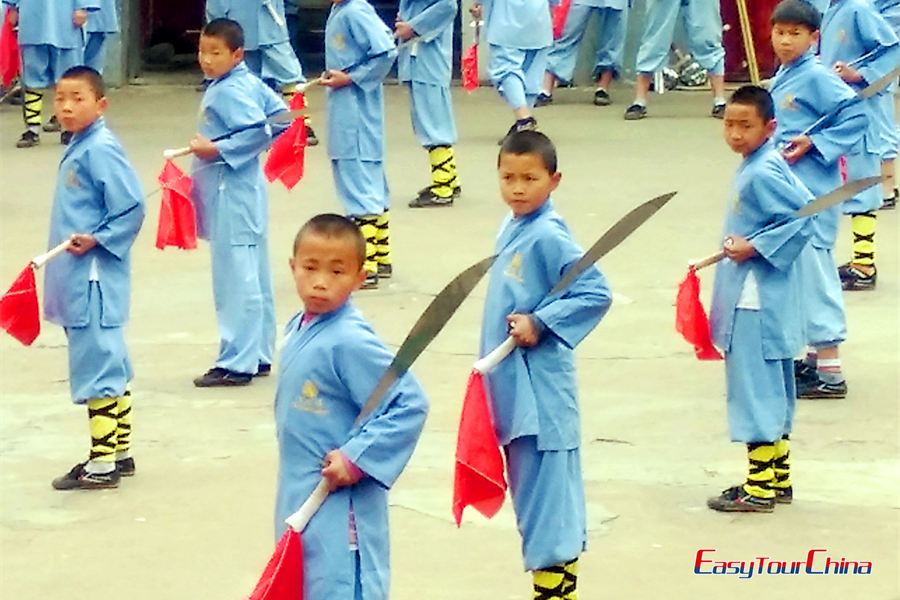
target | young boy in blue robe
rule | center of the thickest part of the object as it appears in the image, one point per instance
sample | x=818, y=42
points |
x=50, y=41
x=532, y=392
x=520, y=34
x=100, y=26
x=230, y=197
x=703, y=25
x=359, y=52
x=330, y=363
x=890, y=11
x=424, y=66
x=99, y=207
x=755, y=315
x=850, y=30
x=612, y=19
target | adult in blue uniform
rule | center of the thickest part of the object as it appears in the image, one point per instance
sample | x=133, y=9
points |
x=100, y=25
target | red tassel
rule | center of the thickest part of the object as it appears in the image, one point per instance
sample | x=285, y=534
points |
x=478, y=480
x=9, y=52
x=469, y=64
x=690, y=318
x=558, y=14
x=177, y=221
x=287, y=155
x=282, y=578
x=19, y=315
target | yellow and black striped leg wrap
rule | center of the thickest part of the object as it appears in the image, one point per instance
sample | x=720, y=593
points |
x=760, y=470
x=383, y=244
x=781, y=466
x=123, y=427
x=102, y=421
x=863, y=225
x=368, y=225
x=558, y=582
x=31, y=109
x=443, y=171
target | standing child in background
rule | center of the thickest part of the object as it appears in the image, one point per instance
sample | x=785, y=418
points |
x=99, y=207
x=532, y=392
x=51, y=41
x=330, y=364
x=520, y=35
x=890, y=12
x=230, y=196
x=803, y=91
x=612, y=19
x=850, y=30
x=359, y=52
x=424, y=65
x=703, y=24
x=100, y=25
x=755, y=315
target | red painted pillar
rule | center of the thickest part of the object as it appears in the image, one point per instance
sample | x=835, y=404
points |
x=735, y=58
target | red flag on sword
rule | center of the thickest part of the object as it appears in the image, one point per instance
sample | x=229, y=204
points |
x=691, y=320
x=282, y=578
x=177, y=221
x=478, y=479
x=288, y=153
x=469, y=65
x=558, y=14
x=9, y=51
x=19, y=315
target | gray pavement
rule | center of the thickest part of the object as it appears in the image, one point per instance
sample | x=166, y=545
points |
x=196, y=520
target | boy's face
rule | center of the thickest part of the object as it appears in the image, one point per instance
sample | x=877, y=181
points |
x=791, y=40
x=216, y=58
x=525, y=182
x=326, y=271
x=744, y=128
x=76, y=105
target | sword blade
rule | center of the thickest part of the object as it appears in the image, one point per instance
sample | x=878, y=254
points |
x=845, y=192
x=879, y=84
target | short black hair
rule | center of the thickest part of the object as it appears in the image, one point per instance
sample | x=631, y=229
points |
x=91, y=76
x=227, y=30
x=753, y=95
x=797, y=12
x=530, y=142
x=334, y=226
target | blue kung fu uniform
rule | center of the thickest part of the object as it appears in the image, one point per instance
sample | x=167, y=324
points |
x=890, y=11
x=267, y=48
x=358, y=42
x=612, y=18
x=49, y=41
x=755, y=315
x=424, y=66
x=851, y=29
x=520, y=35
x=329, y=366
x=702, y=23
x=804, y=91
x=533, y=392
x=100, y=25
x=97, y=192
x=229, y=195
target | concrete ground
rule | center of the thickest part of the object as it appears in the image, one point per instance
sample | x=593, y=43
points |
x=196, y=520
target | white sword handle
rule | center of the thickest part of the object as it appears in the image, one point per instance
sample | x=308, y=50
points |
x=299, y=519
x=40, y=261
x=175, y=152
x=705, y=262
x=493, y=358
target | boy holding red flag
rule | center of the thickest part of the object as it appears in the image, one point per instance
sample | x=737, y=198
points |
x=532, y=392
x=99, y=206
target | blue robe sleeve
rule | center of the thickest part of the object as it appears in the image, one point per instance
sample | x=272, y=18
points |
x=379, y=49
x=241, y=148
x=876, y=33
x=88, y=5
x=435, y=18
x=385, y=441
x=780, y=194
x=272, y=105
x=842, y=132
x=123, y=199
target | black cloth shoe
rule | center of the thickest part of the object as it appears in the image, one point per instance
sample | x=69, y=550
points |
x=125, y=467
x=601, y=97
x=263, y=370
x=816, y=389
x=635, y=112
x=428, y=198
x=804, y=372
x=65, y=137
x=527, y=124
x=28, y=140
x=735, y=499
x=543, y=100
x=385, y=271
x=311, y=139
x=219, y=377
x=889, y=203
x=79, y=479
x=371, y=282
x=52, y=126
x=718, y=111
x=852, y=279
x=784, y=495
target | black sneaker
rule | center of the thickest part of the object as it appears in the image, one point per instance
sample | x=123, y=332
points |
x=527, y=124
x=816, y=389
x=263, y=370
x=635, y=112
x=65, y=137
x=601, y=97
x=385, y=271
x=125, y=467
x=543, y=100
x=889, y=203
x=219, y=377
x=79, y=479
x=52, y=126
x=311, y=139
x=718, y=111
x=371, y=282
x=428, y=198
x=804, y=372
x=28, y=140
x=784, y=495
x=735, y=499
x=852, y=279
